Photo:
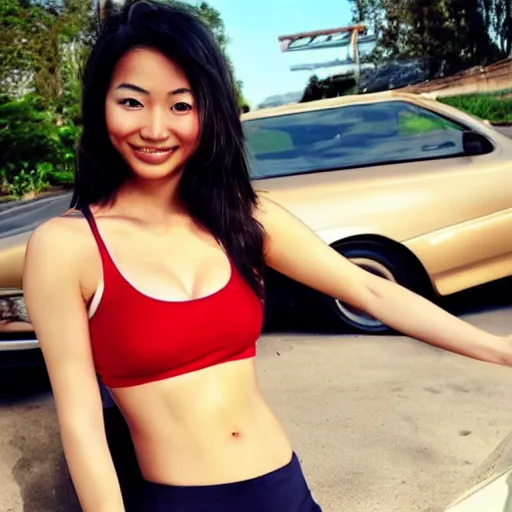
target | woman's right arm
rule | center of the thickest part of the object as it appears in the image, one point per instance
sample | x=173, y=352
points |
x=57, y=311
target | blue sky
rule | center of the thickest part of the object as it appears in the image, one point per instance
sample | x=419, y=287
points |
x=253, y=27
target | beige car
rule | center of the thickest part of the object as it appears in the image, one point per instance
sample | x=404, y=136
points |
x=410, y=189
x=407, y=187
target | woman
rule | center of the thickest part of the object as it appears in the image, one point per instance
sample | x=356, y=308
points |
x=155, y=282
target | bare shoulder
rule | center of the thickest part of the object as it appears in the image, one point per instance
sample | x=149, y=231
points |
x=71, y=227
x=271, y=214
x=266, y=205
x=64, y=239
x=278, y=221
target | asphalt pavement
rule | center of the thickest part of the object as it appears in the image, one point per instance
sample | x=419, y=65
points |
x=380, y=423
x=507, y=130
x=22, y=216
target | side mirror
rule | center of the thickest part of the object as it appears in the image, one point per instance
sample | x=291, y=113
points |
x=475, y=143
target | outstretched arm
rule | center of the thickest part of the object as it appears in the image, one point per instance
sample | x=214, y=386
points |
x=297, y=252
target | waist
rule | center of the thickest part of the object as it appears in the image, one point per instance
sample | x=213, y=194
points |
x=290, y=472
x=207, y=428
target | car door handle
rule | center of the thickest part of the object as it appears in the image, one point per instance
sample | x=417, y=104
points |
x=433, y=147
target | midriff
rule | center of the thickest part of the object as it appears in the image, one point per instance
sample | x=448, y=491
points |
x=207, y=427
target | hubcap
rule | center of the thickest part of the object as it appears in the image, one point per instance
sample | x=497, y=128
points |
x=356, y=316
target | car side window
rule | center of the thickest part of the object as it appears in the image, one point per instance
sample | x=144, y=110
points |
x=348, y=136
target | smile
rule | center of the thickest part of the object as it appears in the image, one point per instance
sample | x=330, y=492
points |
x=153, y=151
x=153, y=155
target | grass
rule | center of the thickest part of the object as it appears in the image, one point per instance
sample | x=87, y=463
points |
x=495, y=107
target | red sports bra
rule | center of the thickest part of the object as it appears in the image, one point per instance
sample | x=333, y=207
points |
x=138, y=339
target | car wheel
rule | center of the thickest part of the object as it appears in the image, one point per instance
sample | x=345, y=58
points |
x=386, y=261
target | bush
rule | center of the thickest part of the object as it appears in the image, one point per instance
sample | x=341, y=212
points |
x=64, y=179
x=27, y=136
x=37, y=146
x=27, y=182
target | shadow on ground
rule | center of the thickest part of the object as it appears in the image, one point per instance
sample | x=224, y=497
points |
x=40, y=471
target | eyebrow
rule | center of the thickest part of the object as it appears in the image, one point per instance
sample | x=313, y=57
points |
x=136, y=88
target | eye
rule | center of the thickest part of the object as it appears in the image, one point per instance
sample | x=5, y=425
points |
x=181, y=107
x=130, y=103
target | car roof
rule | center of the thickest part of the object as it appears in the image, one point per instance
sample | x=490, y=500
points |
x=339, y=101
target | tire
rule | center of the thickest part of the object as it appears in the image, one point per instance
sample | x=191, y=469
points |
x=387, y=261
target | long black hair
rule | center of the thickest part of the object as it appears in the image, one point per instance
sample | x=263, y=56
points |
x=215, y=186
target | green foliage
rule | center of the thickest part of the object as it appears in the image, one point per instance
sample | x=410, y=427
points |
x=451, y=35
x=490, y=107
x=37, y=147
x=27, y=134
x=26, y=182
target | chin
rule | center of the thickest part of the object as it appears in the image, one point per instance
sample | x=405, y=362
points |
x=156, y=172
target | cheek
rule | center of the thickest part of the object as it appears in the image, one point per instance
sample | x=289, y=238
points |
x=190, y=131
x=119, y=125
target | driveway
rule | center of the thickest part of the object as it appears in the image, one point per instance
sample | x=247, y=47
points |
x=380, y=423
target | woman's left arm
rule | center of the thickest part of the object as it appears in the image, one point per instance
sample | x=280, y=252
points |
x=297, y=252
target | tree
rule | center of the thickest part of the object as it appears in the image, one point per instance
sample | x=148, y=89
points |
x=21, y=28
x=498, y=17
x=450, y=35
x=40, y=41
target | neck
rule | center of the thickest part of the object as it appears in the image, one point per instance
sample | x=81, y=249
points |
x=153, y=199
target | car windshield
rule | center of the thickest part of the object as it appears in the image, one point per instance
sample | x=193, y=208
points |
x=348, y=136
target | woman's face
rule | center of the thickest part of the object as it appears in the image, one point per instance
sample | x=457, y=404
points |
x=151, y=116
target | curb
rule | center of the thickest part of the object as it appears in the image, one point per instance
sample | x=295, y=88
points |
x=16, y=206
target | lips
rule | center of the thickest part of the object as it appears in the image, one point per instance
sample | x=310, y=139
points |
x=153, y=155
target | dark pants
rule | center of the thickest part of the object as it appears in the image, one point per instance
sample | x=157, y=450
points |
x=283, y=490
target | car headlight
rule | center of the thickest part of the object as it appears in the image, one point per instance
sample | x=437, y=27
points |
x=12, y=310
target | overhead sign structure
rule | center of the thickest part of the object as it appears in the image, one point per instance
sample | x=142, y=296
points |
x=321, y=39
x=350, y=36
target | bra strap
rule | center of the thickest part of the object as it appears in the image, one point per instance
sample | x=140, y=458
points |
x=95, y=232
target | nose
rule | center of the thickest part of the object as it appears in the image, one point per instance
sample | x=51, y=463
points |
x=155, y=128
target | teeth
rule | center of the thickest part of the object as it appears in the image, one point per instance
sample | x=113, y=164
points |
x=152, y=151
